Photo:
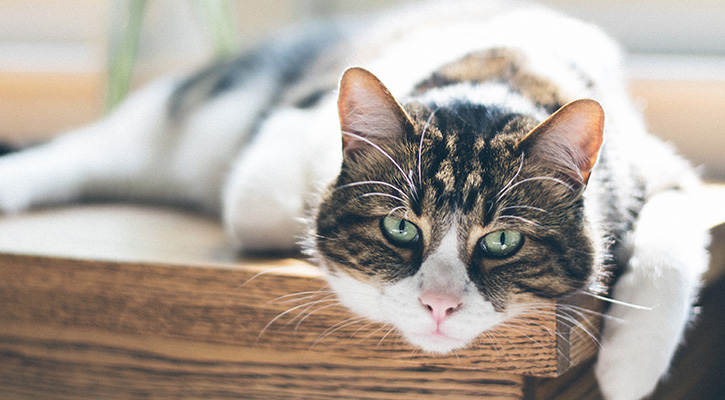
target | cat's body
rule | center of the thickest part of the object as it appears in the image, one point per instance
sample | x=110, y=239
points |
x=407, y=227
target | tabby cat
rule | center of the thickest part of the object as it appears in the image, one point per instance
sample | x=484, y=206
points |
x=499, y=166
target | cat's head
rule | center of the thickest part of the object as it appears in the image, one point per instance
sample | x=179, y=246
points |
x=448, y=216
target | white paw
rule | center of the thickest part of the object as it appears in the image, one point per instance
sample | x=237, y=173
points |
x=639, y=340
x=30, y=178
x=629, y=368
x=15, y=188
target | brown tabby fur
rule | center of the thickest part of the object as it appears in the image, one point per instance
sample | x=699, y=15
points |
x=472, y=174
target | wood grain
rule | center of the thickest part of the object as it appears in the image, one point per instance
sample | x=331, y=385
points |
x=113, y=301
x=135, y=302
x=85, y=364
x=233, y=305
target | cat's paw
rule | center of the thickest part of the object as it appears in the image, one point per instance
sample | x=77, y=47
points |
x=628, y=375
x=25, y=181
x=15, y=193
x=642, y=332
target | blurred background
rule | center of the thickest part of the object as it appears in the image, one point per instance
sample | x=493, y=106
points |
x=63, y=63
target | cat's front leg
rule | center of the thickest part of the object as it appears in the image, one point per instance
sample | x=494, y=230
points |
x=667, y=257
x=110, y=158
x=273, y=185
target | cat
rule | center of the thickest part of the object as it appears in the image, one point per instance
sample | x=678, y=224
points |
x=486, y=158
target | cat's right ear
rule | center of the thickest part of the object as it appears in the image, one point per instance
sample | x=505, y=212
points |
x=569, y=140
x=369, y=114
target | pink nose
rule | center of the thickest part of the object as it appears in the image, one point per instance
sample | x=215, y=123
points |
x=440, y=305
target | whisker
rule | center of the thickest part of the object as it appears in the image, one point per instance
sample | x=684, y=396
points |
x=582, y=312
x=585, y=324
x=384, y=153
x=335, y=303
x=420, y=146
x=392, y=211
x=266, y=271
x=282, y=314
x=386, y=335
x=618, y=302
x=525, y=207
x=572, y=323
x=528, y=221
x=381, y=327
x=536, y=178
x=361, y=183
x=497, y=345
x=336, y=327
x=508, y=184
x=536, y=323
x=380, y=194
x=302, y=315
x=513, y=323
x=514, y=328
x=288, y=298
x=364, y=326
x=455, y=353
x=495, y=330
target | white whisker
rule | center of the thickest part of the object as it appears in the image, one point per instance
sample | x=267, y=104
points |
x=582, y=312
x=536, y=178
x=524, y=207
x=420, y=146
x=508, y=184
x=528, y=221
x=570, y=320
x=520, y=324
x=302, y=315
x=336, y=327
x=282, y=314
x=352, y=335
x=380, y=194
x=384, y=153
x=390, y=185
x=618, y=302
x=266, y=271
x=335, y=303
x=381, y=327
x=386, y=335
x=288, y=298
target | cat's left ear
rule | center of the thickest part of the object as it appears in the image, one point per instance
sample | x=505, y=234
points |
x=369, y=114
x=569, y=140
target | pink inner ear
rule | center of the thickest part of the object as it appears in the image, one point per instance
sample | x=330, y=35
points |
x=368, y=110
x=570, y=138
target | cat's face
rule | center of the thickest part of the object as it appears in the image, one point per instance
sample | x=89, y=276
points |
x=446, y=220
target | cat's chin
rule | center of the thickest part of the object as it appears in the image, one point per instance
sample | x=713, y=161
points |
x=436, y=343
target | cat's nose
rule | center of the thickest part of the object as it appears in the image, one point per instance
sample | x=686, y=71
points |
x=440, y=305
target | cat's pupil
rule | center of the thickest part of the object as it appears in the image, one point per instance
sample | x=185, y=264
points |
x=502, y=240
x=401, y=226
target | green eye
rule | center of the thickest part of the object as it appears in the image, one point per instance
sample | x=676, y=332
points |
x=502, y=243
x=400, y=232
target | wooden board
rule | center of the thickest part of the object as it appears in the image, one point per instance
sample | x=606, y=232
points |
x=128, y=302
x=284, y=309
x=139, y=302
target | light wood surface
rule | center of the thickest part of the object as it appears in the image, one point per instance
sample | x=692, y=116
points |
x=107, y=300
x=125, y=301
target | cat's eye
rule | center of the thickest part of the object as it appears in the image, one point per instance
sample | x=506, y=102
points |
x=398, y=231
x=501, y=243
